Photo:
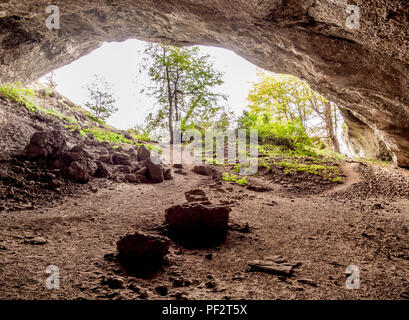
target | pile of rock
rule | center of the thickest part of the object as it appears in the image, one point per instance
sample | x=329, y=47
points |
x=79, y=165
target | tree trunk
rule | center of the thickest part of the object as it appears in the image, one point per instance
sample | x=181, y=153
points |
x=330, y=127
x=170, y=99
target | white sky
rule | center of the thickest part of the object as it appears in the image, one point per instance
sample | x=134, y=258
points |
x=118, y=63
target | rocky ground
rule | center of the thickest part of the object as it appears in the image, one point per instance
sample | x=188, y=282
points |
x=280, y=237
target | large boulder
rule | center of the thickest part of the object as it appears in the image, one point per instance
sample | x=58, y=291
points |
x=121, y=158
x=45, y=145
x=143, y=153
x=81, y=171
x=102, y=170
x=203, y=170
x=155, y=172
x=197, y=224
x=141, y=251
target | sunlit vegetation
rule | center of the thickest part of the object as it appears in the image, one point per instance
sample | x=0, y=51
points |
x=26, y=97
x=234, y=179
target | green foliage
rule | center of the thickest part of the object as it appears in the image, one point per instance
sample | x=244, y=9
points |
x=25, y=97
x=286, y=110
x=101, y=101
x=233, y=178
x=17, y=93
x=183, y=82
x=330, y=173
x=140, y=134
x=105, y=135
x=95, y=118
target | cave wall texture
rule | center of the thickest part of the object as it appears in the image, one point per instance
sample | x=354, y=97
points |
x=363, y=68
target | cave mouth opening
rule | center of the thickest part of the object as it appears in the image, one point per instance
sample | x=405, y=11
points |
x=119, y=63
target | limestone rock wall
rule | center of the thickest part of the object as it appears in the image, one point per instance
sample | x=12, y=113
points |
x=365, y=68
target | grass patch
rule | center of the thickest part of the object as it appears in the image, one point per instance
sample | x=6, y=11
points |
x=103, y=135
x=25, y=97
x=234, y=179
x=330, y=173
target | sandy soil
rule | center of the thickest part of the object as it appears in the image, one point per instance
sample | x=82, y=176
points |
x=326, y=232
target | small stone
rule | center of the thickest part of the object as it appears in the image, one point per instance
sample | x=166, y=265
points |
x=134, y=288
x=36, y=241
x=114, y=282
x=209, y=256
x=210, y=284
x=143, y=294
x=55, y=183
x=177, y=283
x=308, y=281
x=131, y=178
x=162, y=290
x=196, y=195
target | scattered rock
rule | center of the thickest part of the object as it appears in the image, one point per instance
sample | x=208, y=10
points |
x=143, y=294
x=310, y=282
x=143, y=153
x=55, y=183
x=141, y=251
x=258, y=188
x=181, y=172
x=276, y=265
x=155, y=172
x=178, y=166
x=210, y=284
x=142, y=171
x=120, y=158
x=106, y=159
x=177, y=283
x=37, y=241
x=198, y=224
x=209, y=256
x=81, y=171
x=102, y=171
x=131, y=178
x=45, y=144
x=203, y=170
x=162, y=290
x=141, y=178
x=167, y=173
x=114, y=282
x=196, y=195
x=134, y=288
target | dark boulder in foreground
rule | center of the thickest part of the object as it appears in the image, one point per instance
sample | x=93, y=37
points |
x=198, y=224
x=45, y=144
x=140, y=252
x=81, y=171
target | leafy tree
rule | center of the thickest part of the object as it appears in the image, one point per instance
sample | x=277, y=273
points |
x=279, y=99
x=101, y=101
x=183, y=82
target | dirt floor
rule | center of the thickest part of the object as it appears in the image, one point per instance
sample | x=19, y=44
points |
x=362, y=222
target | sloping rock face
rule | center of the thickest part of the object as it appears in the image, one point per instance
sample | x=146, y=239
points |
x=362, y=67
x=362, y=140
